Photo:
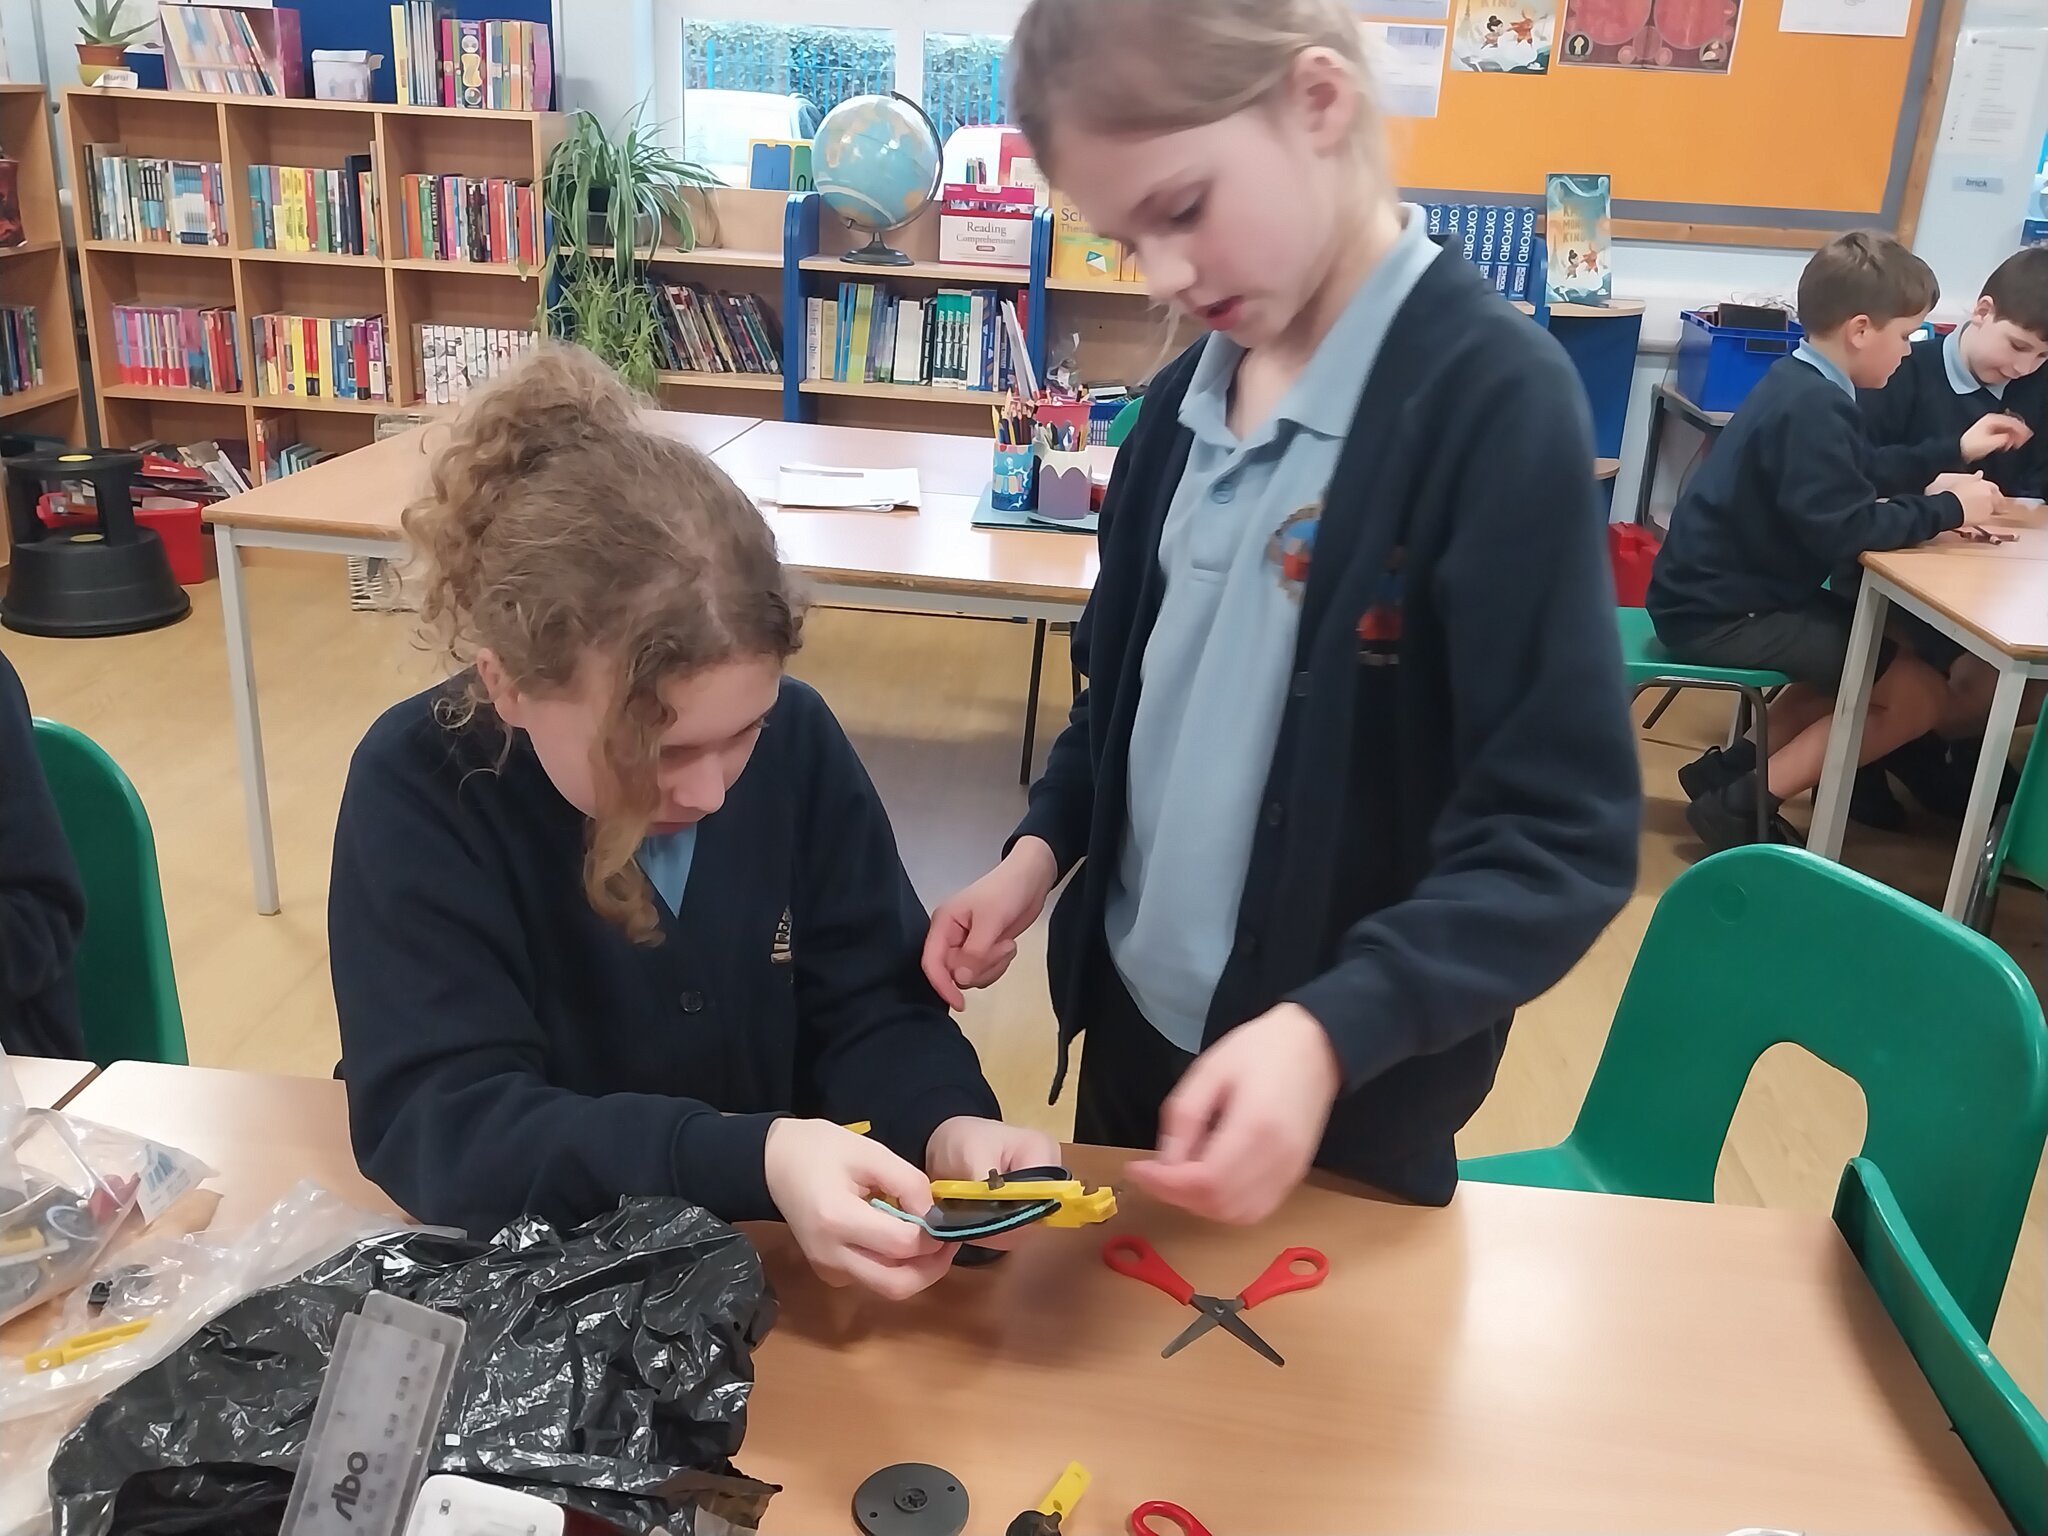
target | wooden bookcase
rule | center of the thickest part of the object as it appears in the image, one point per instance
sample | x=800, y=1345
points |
x=240, y=131
x=739, y=250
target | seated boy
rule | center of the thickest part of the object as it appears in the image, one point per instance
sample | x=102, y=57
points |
x=1949, y=405
x=42, y=908
x=1786, y=499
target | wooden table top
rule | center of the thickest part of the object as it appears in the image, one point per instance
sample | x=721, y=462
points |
x=1527, y=1360
x=45, y=1081
x=1998, y=592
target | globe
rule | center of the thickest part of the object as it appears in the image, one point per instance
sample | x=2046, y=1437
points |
x=876, y=159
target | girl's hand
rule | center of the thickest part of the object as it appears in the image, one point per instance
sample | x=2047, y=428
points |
x=1241, y=1127
x=968, y=1147
x=821, y=1177
x=973, y=936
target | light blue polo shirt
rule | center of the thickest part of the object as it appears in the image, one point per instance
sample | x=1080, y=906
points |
x=665, y=861
x=1960, y=379
x=1826, y=367
x=1216, y=669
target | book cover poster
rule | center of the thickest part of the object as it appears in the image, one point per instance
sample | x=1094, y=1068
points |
x=1578, y=231
x=1507, y=37
x=1696, y=36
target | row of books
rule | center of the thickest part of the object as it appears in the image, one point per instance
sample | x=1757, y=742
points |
x=318, y=357
x=278, y=451
x=21, y=350
x=309, y=208
x=440, y=61
x=462, y=218
x=955, y=338
x=157, y=202
x=1500, y=241
x=705, y=332
x=214, y=48
x=454, y=359
x=174, y=346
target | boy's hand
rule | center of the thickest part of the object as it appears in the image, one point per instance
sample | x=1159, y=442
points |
x=821, y=1177
x=1241, y=1127
x=968, y=1147
x=1981, y=499
x=973, y=937
x=1994, y=434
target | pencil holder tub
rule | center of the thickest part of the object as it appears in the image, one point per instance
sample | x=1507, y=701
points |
x=1014, y=485
x=1065, y=486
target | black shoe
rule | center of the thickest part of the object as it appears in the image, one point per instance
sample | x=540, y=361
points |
x=1717, y=768
x=1872, y=803
x=1726, y=818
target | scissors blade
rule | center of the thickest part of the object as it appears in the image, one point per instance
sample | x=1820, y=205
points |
x=1215, y=1312
x=1188, y=1335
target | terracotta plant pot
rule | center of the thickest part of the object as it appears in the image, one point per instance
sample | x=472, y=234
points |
x=95, y=59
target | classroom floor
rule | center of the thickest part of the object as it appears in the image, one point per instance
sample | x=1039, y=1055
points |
x=935, y=707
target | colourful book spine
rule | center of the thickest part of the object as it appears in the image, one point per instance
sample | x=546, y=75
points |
x=401, y=60
x=448, y=26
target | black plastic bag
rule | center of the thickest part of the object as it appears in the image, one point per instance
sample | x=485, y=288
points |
x=608, y=1370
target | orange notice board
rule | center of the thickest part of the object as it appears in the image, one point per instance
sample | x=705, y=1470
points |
x=1804, y=136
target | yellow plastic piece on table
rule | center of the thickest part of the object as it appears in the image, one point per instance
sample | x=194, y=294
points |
x=1098, y=1205
x=79, y=1345
x=860, y=1127
x=1066, y=1493
x=1079, y=1207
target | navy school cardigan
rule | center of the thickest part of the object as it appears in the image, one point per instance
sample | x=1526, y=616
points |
x=507, y=1050
x=1451, y=815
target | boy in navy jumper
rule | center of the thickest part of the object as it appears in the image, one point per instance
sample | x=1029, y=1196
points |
x=1792, y=493
x=42, y=908
x=616, y=912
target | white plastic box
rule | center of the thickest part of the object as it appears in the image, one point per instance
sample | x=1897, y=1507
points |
x=343, y=74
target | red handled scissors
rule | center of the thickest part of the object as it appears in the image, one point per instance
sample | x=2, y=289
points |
x=1295, y=1269
x=1142, y=1517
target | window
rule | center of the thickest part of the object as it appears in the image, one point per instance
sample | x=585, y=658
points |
x=723, y=78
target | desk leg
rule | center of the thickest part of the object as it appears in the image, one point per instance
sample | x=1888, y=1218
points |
x=2005, y=714
x=1653, y=437
x=234, y=606
x=1845, y=736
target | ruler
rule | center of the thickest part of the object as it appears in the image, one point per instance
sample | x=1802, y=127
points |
x=373, y=1427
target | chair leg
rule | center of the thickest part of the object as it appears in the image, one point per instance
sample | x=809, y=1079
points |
x=1031, y=701
x=1753, y=704
x=1738, y=725
x=1657, y=713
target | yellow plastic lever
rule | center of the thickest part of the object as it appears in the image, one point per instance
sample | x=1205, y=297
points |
x=1066, y=1493
x=79, y=1345
x=1079, y=1207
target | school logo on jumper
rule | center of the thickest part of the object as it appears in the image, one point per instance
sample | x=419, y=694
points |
x=1293, y=545
x=781, y=953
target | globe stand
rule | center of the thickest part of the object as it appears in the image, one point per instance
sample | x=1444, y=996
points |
x=877, y=253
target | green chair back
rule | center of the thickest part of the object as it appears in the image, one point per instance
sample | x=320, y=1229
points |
x=127, y=992
x=1763, y=945
x=1120, y=426
x=2003, y=1432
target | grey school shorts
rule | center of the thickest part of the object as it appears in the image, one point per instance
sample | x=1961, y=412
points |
x=1809, y=644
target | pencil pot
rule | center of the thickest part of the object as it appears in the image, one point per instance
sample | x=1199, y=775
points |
x=1065, y=487
x=1067, y=421
x=1014, y=486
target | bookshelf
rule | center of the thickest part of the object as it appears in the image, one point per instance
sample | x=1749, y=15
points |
x=239, y=132
x=33, y=275
x=739, y=250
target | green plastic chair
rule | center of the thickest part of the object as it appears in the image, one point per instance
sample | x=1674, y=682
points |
x=1767, y=944
x=127, y=992
x=2018, y=843
x=1125, y=419
x=2003, y=1432
x=1648, y=665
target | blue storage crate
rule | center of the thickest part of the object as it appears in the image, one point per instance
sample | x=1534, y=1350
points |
x=1718, y=365
x=1100, y=414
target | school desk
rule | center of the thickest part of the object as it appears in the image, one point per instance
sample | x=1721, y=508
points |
x=1525, y=1359
x=46, y=1082
x=1991, y=599
x=1666, y=402
x=933, y=559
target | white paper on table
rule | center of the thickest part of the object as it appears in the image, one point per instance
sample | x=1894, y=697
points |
x=1847, y=18
x=841, y=490
x=1407, y=66
x=1992, y=91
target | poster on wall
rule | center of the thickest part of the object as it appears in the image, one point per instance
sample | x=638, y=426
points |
x=1407, y=63
x=1507, y=37
x=1578, y=230
x=1696, y=36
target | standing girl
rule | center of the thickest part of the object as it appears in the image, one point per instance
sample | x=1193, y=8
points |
x=617, y=912
x=1353, y=778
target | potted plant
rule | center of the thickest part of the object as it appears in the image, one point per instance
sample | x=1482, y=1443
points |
x=102, y=38
x=623, y=196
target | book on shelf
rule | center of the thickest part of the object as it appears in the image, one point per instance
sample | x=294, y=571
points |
x=320, y=357
x=11, y=232
x=311, y=208
x=1579, y=228
x=445, y=62
x=173, y=346
x=464, y=218
x=952, y=339
x=706, y=332
x=21, y=352
x=454, y=359
x=223, y=50
x=1499, y=240
x=152, y=201
x=277, y=451
x=225, y=464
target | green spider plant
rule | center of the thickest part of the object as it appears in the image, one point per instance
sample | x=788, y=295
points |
x=101, y=23
x=605, y=195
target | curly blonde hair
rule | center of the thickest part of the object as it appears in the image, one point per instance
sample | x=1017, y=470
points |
x=560, y=521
